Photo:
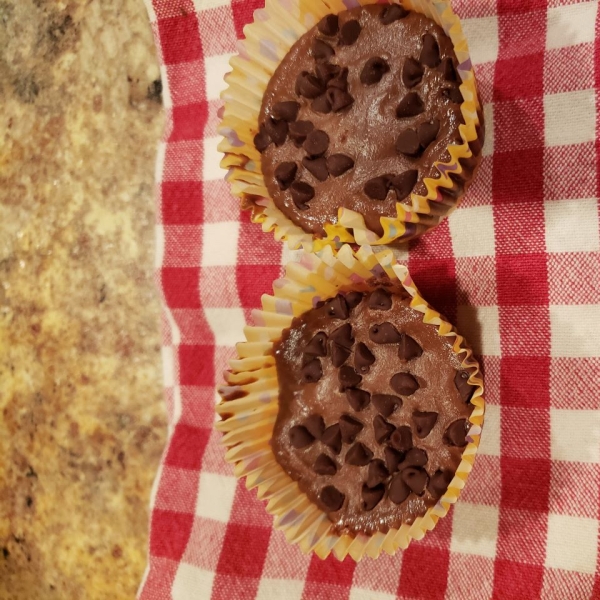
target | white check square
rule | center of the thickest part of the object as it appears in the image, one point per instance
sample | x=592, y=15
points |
x=362, y=594
x=215, y=496
x=482, y=34
x=572, y=225
x=219, y=248
x=227, y=325
x=475, y=529
x=192, y=582
x=481, y=327
x=572, y=543
x=570, y=117
x=211, y=168
x=490, y=438
x=571, y=25
x=216, y=68
x=472, y=231
x=572, y=334
x=277, y=589
x=575, y=435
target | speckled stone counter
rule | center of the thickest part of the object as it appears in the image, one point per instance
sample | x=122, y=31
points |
x=82, y=422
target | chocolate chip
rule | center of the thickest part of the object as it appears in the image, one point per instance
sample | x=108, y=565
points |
x=317, y=167
x=324, y=465
x=353, y=299
x=391, y=13
x=348, y=377
x=415, y=457
x=380, y=299
x=316, y=143
x=321, y=50
x=302, y=193
x=277, y=130
x=338, y=164
x=453, y=94
x=448, y=70
x=339, y=99
x=408, y=348
x=438, y=483
x=377, y=188
x=363, y=358
x=332, y=437
x=321, y=105
x=465, y=389
x=262, y=139
x=372, y=496
x=343, y=334
x=349, y=32
x=407, y=143
x=340, y=81
x=317, y=345
x=424, y=422
x=332, y=498
x=299, y=130
x=382, y=429
x=358, y=455
x=329, y=25
x=358, y=399
x=350, y=428
x=339, y=354
x=374, y=70
x=415, y=479
x=286, y=111
x=410, y=106
x=327, y=71
x=427, y=132
x=404, y=383
x=315, y=425
x=398, y=491
x=285, y=173
x=392, y=458
x=404, y=183
x=456, y=434
x=300, y=437
x=311, y=371
x=401, y=439
x=386, y=404
x=384, y=333
x=430, y=53
x=308, y=85
x=412, y=72
x=377, y=473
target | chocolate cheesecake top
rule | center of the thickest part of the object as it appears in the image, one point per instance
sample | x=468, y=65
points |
x=373, y=410
x=356, y=115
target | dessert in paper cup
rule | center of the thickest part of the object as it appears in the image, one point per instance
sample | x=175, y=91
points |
x=353, y=407
x=348, y=121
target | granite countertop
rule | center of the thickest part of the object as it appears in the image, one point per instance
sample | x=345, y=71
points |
x=82, y=422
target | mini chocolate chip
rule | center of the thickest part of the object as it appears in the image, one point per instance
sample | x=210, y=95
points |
x=277, y=131
x=407, y=143
x=299, y=130
x=339, y=354
x=321, y=105
x=302, y=193
x=465, y=389
x=343, y=334
x=374, y=70
x=404, y=383
x=410, y=106
x=285, y=173
x=311, y=371
x=408, y=348
x=386, y=404
x=327, y=71
x=317, y=345
x=382, y=429
x=353, y=299
x=377, y=473
x=453, y=94
x=358, y=399
x=424, y=422
x=363, y=358
x=412, y=72
x=392, y=458
x=427, y=132
x=321, y=50
x=384, y=333
x=377, y=188
x=391, y=13
x=372, y=496
x=308, y=85
x=350, y=428
x=332, y=498
x=448, y=70
x=286, y=111
x=404, y=183
x=430, y=53
x=401, y=439
x=398, y=491
x=415, y=479
x=338, y=164
x=337, y=308
x=262, y=139
x=380, y=299
x=339, y=99
x=316, y=143
x=349, y=32
x=415, y=457
x=315, y=425
x=329, y=25
x=358, y=455
x=456, y=434
x=324, y=465
x=317, y=167
x=348, y=377
x=300, y=437
x=340, y=81
x=332, y=437
x=439, y=482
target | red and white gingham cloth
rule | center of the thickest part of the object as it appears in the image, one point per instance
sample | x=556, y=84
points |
x=517, y=267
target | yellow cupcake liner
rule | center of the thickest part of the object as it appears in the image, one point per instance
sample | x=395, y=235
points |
x=268, y=39
x=250, y=401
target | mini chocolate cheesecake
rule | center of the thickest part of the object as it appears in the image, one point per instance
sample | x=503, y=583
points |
x=356, y=115
x=373, y=410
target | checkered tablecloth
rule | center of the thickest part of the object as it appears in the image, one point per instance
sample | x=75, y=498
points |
x=517, y=267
